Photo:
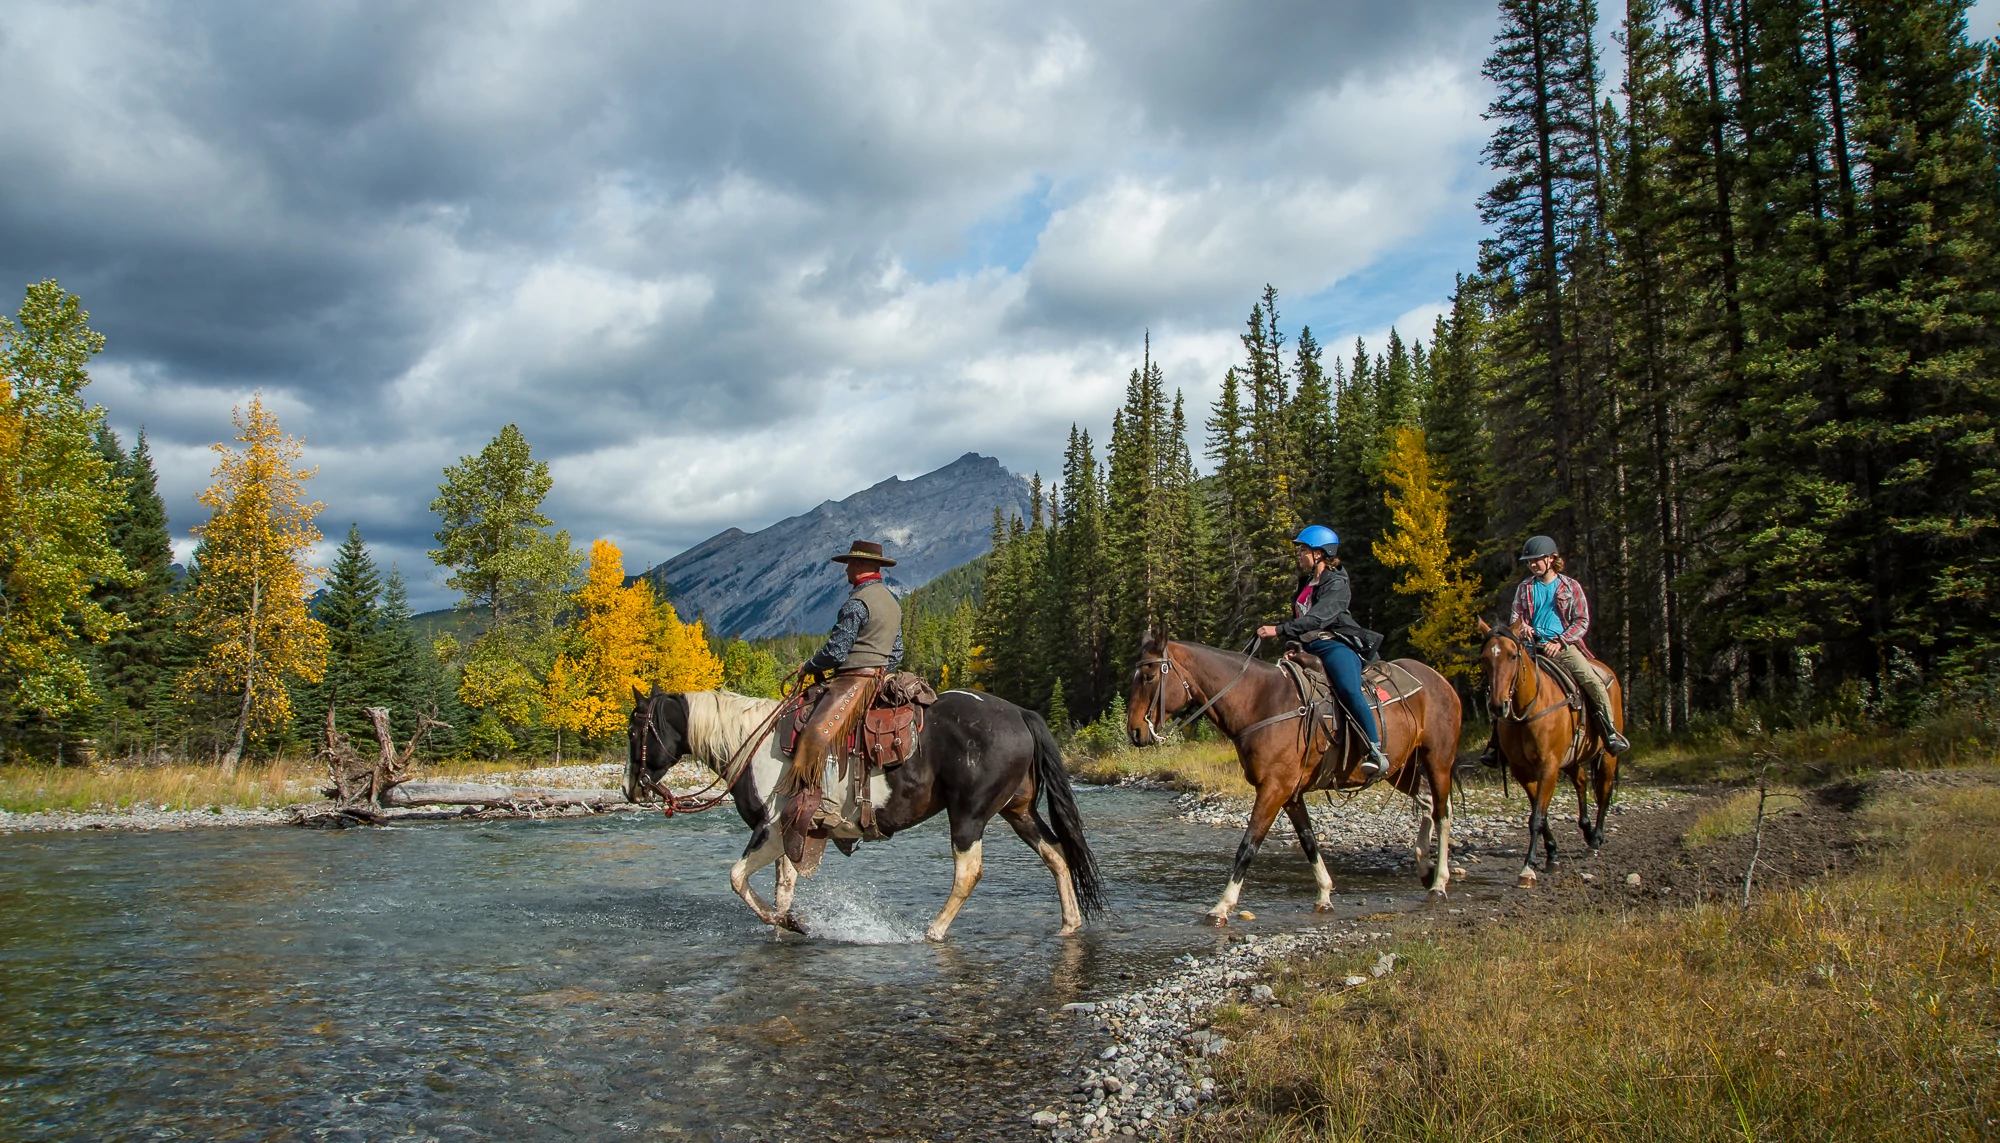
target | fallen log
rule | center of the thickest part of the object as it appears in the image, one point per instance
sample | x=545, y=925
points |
x=467, y=794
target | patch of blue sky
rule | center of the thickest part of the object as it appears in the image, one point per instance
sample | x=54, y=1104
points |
x=1004, y=240
x=1419, y=273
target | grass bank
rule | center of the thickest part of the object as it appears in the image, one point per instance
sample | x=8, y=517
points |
x=180, y=786
x=1815, y=754
x=1862, y=1007
x=1207, y=767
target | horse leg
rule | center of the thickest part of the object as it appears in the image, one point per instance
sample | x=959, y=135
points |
x=1548, y=833
x=1607, y=781
x=1265, y=811
x=1582, y=784
x=1039, y=839
x=788, y=883
x=1528, y=875
x=765, y=847
x=966, y=865
x=1309, y=841
x=1440, y=879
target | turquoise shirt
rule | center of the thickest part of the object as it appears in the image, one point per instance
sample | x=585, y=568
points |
x=1546, y=622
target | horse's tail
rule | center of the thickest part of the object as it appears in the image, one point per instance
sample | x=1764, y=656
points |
x=1064, y=821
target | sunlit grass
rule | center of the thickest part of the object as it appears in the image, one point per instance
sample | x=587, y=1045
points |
x=1860, y=1008
x=1209, y=767
x=31, y=789
x=1814, y=754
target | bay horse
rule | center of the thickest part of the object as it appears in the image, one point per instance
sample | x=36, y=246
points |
x=979, y=755
x=1257, y=707
x=1538, y=732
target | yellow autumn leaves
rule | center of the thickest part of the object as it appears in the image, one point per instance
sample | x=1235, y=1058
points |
x=621, y=639
x=1418, y=545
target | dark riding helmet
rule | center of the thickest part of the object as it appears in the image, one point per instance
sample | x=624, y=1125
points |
x=1318, y=536
x=1536, y=548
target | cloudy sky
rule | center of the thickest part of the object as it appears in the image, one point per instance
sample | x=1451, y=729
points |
x=719, y=262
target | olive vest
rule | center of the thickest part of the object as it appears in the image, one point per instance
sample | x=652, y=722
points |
x=877, y=640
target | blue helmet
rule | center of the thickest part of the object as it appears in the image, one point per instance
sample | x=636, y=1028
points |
x=1318, y=536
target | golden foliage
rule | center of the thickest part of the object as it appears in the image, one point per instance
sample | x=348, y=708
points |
x=1417, y=543
x=622, y=639
x=252, y=580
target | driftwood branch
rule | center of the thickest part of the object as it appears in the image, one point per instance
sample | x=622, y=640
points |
x=468, y=794
x=359, y=782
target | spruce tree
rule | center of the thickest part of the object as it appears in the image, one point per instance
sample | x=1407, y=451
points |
x=129, y=663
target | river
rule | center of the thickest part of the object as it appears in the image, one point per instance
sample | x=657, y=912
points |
x=582, y=978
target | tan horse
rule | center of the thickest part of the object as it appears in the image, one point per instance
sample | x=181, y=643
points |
x=1542, y=737
x=1257, y=707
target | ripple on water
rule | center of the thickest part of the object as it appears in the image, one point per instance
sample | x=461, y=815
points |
x=854, y=913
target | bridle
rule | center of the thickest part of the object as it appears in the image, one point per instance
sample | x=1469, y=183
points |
x=718, y=788
x=1524, y=664
x=1158, y=701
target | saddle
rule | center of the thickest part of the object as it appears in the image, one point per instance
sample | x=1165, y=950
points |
x=1573, y=698
x=1383, y=685
x=882, y=739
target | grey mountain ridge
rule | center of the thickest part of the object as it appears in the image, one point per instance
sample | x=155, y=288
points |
x=778, y=581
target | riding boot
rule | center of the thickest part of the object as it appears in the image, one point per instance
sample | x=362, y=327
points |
x=1491, y=755
x=1376, y=762
x=1614, y=742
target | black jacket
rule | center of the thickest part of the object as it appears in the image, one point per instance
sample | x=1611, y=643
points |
x=1331, y=598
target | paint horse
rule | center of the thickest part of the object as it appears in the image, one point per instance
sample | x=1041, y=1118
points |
x=1543, y=734
x=978, y=756
x=1257, y=707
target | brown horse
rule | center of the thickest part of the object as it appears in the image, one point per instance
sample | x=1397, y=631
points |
x=1541, y=736
x=1257, y=707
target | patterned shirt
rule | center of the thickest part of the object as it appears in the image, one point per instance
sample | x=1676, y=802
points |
x=1571, y=607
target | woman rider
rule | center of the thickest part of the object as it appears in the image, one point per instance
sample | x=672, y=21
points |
x=1322, y=622
x=1557, y=615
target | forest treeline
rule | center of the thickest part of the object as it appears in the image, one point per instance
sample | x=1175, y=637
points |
x=1731, y=342
x=108, y=648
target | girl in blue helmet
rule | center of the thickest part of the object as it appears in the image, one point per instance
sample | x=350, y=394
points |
x=1322, y=623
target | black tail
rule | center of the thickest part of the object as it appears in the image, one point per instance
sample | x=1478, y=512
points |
x=1064, y=821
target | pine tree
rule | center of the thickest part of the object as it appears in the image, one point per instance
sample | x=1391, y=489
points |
x=129, y=663
x=359, y=671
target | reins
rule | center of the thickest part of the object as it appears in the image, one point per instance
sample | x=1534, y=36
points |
x=725, y=778
x=1166, y=664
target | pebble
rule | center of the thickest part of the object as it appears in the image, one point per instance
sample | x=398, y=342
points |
x=1632, y=881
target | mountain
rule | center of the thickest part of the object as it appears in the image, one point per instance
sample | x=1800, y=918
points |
x=779, y=581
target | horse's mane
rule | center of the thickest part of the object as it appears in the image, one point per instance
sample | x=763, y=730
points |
x=720, y=721
x=1235, y=658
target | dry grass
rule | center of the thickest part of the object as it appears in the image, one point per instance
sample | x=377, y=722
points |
x=30, y=789
x=1737, y=815
x=1209, y=767
x=1862, y=1008
x=1818, y=753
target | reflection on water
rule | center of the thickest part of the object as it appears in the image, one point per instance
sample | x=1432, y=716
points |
x=573, y=979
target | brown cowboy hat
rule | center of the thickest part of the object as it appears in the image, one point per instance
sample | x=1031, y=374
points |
x=865, y=550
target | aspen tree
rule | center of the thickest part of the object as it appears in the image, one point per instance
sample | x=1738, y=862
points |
x=249, y=606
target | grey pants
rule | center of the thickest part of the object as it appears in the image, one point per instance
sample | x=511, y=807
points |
x=1585, y=675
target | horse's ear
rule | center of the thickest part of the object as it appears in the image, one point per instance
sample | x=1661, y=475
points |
x=1485, y=628
x=638, y=697
x=1152, y=643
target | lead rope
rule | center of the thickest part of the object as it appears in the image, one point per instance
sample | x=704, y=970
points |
x=725, y=779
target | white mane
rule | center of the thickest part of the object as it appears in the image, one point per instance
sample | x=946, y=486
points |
x=720, y=721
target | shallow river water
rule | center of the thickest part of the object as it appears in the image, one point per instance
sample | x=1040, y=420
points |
x=575, y=979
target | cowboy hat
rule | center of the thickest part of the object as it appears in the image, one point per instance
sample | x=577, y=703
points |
x=865, y=550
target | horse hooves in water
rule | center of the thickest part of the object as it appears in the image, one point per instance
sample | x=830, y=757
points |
x=1216, y=920
x=789, y=922
x=1322, y=907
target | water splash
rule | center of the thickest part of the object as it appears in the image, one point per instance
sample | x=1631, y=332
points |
x=853, y=913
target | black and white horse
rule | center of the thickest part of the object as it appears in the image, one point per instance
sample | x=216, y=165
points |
x=978, y=756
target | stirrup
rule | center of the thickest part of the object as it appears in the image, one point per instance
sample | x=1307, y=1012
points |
x=1375, y=764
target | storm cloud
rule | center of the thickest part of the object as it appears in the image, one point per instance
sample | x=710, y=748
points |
x=720, y=262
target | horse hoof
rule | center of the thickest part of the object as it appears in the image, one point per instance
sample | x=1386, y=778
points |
x=1436, y=895
x=1067, y=930
x=934, y=936
x=1216, y=920
x=789, y=922
x=1323, y=907
x=1527, y=881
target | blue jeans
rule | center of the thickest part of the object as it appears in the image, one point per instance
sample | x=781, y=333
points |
x=1343, y=666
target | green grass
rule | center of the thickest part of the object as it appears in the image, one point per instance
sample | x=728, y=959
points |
x=1737, y=815
x=1209, y=767
x=32, y=789
x=1816, y=754
x=1861, y=1008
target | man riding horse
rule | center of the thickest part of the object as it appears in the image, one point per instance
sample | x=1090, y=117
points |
x=864, y=647
x=1322, y=623
x=1555, y=613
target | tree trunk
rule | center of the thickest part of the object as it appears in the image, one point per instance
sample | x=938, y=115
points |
x=235, y=754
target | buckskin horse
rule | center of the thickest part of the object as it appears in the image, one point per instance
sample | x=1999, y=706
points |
x=978, y=755
x=1543, y=735
x=1257, y=707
